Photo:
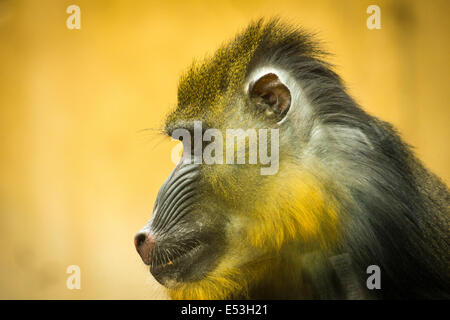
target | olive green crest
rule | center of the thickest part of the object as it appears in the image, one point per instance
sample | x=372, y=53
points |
x=208, y=85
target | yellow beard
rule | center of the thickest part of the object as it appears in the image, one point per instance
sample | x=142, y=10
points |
x=296, y=208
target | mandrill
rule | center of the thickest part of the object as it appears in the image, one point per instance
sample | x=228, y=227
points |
x=346, y=195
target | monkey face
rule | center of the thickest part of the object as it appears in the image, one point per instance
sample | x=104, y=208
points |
x=205, y=209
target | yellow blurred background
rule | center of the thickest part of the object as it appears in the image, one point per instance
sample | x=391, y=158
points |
x=78, y=175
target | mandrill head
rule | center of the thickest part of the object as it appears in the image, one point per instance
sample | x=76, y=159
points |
x=244, y=189
x=277, y=161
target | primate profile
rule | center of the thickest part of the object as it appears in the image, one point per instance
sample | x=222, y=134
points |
x=348, y=194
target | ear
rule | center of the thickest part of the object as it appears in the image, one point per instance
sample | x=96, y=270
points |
x=271, y=96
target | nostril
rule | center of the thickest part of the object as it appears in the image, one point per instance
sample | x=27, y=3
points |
x=139, y=239
x=144, y=243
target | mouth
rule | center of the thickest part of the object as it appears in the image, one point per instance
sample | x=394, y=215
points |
x=176, y=263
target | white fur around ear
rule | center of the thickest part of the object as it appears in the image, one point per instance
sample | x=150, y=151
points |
x=286, y=79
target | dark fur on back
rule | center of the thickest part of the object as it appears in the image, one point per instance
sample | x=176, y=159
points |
x=400, y=211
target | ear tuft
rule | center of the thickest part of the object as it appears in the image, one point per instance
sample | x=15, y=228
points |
x=271, y=95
